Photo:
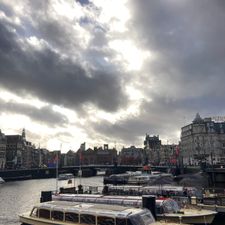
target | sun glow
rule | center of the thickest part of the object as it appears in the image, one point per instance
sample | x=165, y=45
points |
x=127, y=51
x=113, y=13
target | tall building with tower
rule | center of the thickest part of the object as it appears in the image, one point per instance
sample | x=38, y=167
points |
x=18, y=151
x=203, y=140
x=152, y=146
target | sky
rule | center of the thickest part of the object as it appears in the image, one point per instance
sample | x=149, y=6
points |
x=109, y=71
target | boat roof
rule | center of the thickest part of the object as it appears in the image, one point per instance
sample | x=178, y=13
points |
x=90, y=208
x=113, y=199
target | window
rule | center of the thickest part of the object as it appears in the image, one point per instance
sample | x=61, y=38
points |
x=103, y=220
x=34, y=212
x=122, y=221
x=57, y=215
x=44, y=213
x=88, y=219
x=71, y=217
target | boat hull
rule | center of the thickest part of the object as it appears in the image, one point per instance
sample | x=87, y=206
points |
x=217, y=208
x=203, y=218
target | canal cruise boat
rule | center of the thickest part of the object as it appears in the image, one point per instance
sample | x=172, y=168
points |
x=72, y=213
x=166, y=208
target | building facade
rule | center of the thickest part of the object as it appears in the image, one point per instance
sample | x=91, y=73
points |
x=132, y=156
x=98, y=156
x=2, y=150
x=169, y=154
x=203, y=141
x=19, y=151
x=152, y=146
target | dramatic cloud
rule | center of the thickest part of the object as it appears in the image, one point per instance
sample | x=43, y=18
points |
x=110, y=71
x=45, y=74
x=45, y=115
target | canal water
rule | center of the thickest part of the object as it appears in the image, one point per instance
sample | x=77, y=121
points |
x=19, y=196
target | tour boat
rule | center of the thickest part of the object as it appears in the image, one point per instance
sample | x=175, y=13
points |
x=120, y=178
x=68, y=213
x=146, y=178
x=163, y=189
x=135, y=178
x=166, y=208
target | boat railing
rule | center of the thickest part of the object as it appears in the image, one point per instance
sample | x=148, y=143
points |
x=80, y=189
x=217, y=200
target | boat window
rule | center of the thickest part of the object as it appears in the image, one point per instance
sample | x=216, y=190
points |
x=170, y=206
x=71, y=217
x=57, y=215
x=44, y=213
x=144, y=218
x=88, y=219
x=34, y=212
x=104, y=220
x=123, y=221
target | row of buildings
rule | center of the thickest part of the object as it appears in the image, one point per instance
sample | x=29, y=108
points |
x=18, y=153
x=203, y=140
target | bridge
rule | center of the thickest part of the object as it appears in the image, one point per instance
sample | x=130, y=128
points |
x=216, y=175
x=87, y=170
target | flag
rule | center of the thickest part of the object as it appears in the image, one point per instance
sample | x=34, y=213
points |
x=81, y=157
x=173, y=161
x=177, y=150
x=55, y=160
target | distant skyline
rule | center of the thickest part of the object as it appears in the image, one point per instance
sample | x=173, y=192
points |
x=109, y=71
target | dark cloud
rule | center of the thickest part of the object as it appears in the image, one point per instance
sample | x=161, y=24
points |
x=6, y=9
x=48, y=76
x=185, y=74
x=162, y=116
x=44, y=115
x=156, y=118
x=83, y=2
x=187, y=39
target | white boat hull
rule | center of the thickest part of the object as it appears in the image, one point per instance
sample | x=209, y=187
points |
x=190, y=217
x=217, y=208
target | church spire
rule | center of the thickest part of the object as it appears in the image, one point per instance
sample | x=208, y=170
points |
x=24, y=134
x=198, y=119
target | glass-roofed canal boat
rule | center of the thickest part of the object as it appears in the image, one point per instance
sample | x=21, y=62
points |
x=68, y=213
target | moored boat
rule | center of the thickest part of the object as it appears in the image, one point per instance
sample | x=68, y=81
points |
x=166, y=208
x=165, y=190
x=135, y=178
x=146, y=178
x=169, y=209
x=68, y=213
